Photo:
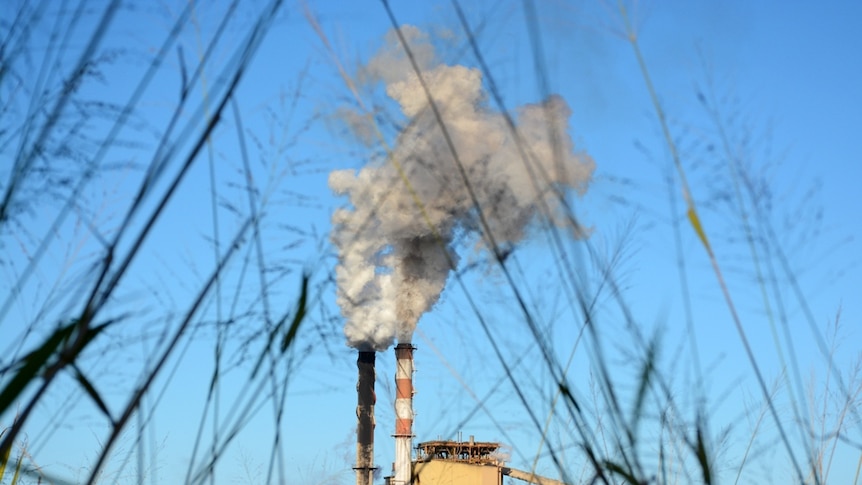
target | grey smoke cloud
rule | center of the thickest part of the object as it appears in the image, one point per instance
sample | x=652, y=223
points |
x=394, y=258
x=390, y=63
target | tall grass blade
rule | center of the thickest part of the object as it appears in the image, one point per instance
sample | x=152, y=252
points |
x=298, y=316
x=702, y=456
x=858, y=469
x=17, y=470
x=5, y=457
x=617, y=469
x=644, y=383
x=32, y=363
x=91, y=391
x=698, y=228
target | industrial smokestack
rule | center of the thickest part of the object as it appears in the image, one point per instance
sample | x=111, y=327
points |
x=365, y=417
x=403, y=414
x=397, y=242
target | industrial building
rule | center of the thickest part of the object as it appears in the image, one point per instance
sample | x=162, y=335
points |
x=437, y=462
x=462, y=463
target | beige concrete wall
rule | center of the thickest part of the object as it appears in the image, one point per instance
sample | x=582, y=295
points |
x=440, y=472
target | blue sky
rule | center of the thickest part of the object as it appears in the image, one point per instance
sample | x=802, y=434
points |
x=780, y=79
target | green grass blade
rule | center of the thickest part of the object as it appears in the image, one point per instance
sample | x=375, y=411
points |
x=32, y=364
x=5, y=458
x=17, y=470
x=702, y=456
x=644, y=382
x=616, y=469
x=298, y=316
x=91, y=391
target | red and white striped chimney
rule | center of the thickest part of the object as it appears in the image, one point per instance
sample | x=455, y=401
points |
x=403, y=414
x=365, y=418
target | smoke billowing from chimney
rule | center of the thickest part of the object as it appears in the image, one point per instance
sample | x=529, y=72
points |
x=365, y=419
x=393, y=265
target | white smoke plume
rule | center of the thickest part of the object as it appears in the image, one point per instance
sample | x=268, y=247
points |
x=394, y=258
